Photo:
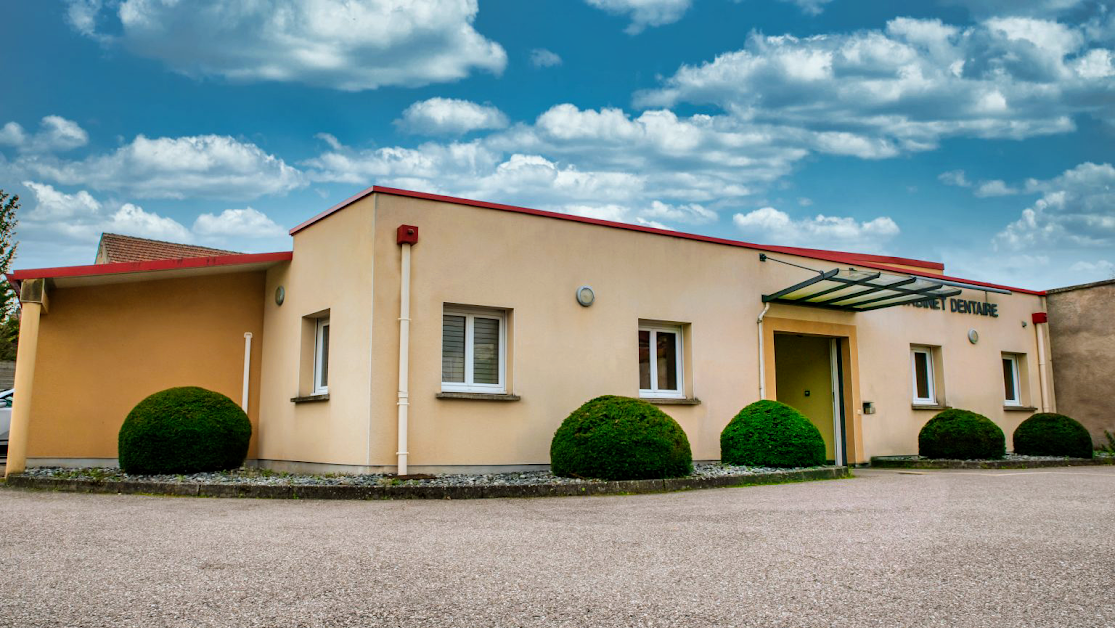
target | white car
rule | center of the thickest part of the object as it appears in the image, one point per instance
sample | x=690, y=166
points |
x=5, y=416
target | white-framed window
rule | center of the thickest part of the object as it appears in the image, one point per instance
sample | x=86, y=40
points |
x=921, y=365
x=321, y=357
x=473, y=350
x=1012, y=396
x=661, y=374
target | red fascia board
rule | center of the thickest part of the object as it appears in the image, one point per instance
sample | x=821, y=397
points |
x=154, y=265
x=875, y=262
x=336, y=208
x=883, y=259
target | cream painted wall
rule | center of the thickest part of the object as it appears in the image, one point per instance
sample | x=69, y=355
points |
x=565, y=354
x=331, y=270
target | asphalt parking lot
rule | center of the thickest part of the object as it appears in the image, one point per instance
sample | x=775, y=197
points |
x=889, y=548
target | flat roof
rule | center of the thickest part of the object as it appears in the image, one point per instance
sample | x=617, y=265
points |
x=121, y=272
x=865, y=260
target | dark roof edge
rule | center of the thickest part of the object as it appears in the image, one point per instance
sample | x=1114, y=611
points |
x=1082, y=286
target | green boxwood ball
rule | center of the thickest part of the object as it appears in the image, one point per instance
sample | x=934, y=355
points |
x=961, y=435
x=619, y=438
x=771, y=434
x=184, y=430
x=1048, y=434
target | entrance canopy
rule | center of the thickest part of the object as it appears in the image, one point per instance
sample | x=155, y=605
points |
x=851, y=290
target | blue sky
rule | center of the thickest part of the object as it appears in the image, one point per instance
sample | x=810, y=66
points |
x=978, y=133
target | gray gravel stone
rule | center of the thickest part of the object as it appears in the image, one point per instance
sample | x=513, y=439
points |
x=263, y=477
x=929, y=548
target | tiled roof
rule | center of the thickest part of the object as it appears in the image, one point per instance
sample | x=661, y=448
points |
x=121, y=248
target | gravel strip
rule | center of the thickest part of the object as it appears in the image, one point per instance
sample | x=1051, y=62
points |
x=1010, y=457
x=265, y=477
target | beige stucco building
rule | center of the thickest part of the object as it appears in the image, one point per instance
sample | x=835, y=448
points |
x=428, y=333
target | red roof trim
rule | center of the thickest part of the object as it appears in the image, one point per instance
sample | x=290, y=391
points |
x=336, y=208
x=863, y=260
x=155, y=265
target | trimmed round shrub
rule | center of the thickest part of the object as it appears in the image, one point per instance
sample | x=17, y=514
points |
x=619, y=438
x=1048, y=434
x=961, y=435
x=771, y=434
x=184, y=430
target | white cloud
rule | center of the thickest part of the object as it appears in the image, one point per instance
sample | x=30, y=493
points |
x=985, y=8
x=995, y=187
x=777, y=227
x=810, y=7
x=542, y=58
x=133, y=220
x=81, y=217
x=1103, y=269
x=449, y=116
x=55, y=134
x=654, y=167
x=53, y=205
x=350, y=45
x=877, y=93
x=691, y=213
x=644, y=13
x=202, y=166
x=955, y=177
x=246, y=223
x=1076, y=210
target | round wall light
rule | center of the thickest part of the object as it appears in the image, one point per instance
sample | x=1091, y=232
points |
x=973, y=336
x=280, y=295
x=585, y=296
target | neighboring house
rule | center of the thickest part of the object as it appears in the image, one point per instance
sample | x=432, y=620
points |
x=420, y=332
x=1084, y=351
x=121, y=248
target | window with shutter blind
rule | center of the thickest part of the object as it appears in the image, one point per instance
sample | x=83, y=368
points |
x=473, y=352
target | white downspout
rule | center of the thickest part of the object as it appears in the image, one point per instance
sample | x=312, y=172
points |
x=404, y=357
x=1039, y=330
x=762, y=356
x=247, y=369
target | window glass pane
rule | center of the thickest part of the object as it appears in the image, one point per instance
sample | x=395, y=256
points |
x=452, y=348
x=485, y=351
x=1008, y=379
x=323, y=379
x=921, y=374
x=644, y=360
x=667, y=361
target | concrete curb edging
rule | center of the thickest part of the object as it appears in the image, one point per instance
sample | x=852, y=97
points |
x=887, y=462
x=627, y=487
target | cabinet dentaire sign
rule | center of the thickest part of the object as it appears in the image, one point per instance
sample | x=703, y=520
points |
x=960, y=306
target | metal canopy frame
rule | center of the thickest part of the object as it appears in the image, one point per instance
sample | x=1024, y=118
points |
x=850, y=290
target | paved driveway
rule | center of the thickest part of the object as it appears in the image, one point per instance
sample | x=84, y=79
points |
x=940, y=548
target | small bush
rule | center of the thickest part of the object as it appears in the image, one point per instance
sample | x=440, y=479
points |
x=184, y=430
x=771, y=434
x=961, y=435
x=619, y=438
x=1047, y=434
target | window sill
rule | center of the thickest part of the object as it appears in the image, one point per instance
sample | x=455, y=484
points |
x=310, y=398
x=666, y=401
x=478, y=396
x=1019, y=409
x=930, y=406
